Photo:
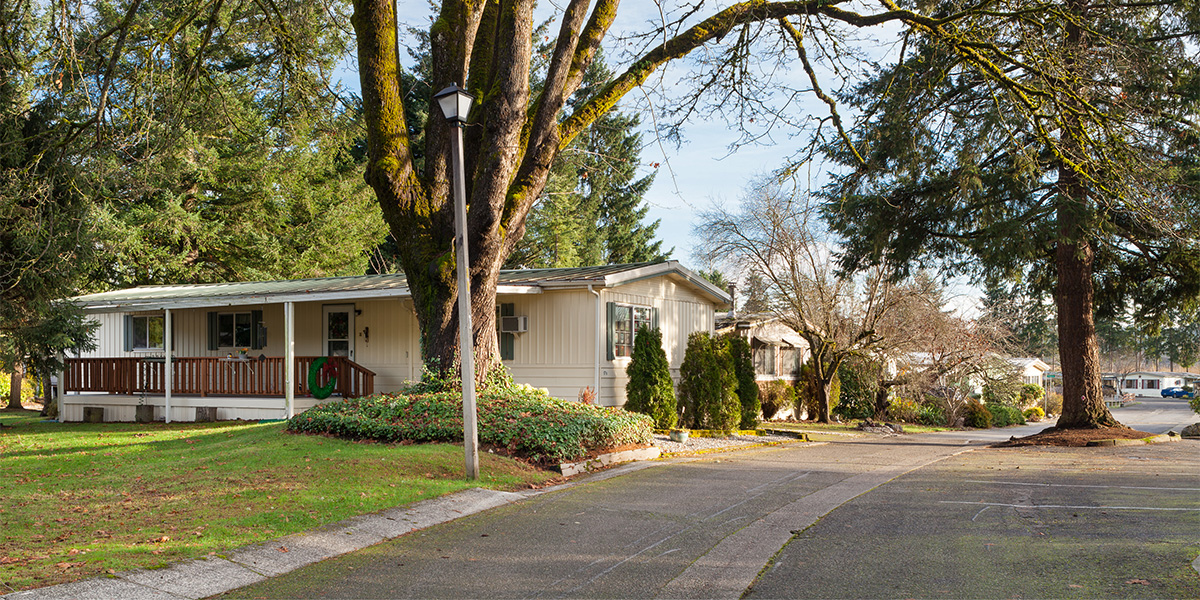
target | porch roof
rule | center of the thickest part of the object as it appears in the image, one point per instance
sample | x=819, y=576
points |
x=515, y=281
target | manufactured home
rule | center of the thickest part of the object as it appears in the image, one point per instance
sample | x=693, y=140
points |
x=271, y=349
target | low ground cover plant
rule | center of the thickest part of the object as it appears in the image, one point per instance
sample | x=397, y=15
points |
x=527, y=422
x=82, y=500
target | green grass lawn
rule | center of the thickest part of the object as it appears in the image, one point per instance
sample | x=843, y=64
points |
x=80, y=500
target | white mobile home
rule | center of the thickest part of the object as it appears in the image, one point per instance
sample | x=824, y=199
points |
x=254, y=350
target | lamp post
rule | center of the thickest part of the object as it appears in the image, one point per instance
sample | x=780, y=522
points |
x=456, y=103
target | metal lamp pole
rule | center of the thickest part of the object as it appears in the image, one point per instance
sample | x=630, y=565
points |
x=456, y=103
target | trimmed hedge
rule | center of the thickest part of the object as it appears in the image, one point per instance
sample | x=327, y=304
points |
x=526, y=421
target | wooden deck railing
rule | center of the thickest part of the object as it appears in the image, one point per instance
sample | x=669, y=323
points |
x=211, y=376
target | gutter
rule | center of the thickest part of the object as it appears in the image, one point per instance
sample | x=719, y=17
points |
x=599, y=347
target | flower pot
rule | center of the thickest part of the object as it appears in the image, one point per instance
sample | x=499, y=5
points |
x=679, y=435
x=144, y=413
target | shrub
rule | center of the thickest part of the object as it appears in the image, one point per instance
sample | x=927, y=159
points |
x=977, y=416
x=903, y=410
x=775, y=396
x=1034, y=413
x=806, y=392
x=1054, y=403
x=707, y=399
x=1193, y=402
x=526, y=421
x=1002, y=392
x=1003, y=416
x=859, y=379
x=649, y=390
x=747, y=385
x=931, y=414
x=1031, y=393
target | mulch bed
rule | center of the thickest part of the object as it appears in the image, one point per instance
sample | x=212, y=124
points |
x=1074, y=437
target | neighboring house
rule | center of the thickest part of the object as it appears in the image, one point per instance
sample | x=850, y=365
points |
x=1147, y=384
x=1031, y=370
x=561, y=329
x=777, y=349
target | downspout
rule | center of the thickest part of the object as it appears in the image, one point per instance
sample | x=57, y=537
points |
x=599, y=341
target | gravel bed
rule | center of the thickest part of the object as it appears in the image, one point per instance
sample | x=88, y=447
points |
x=696, y=444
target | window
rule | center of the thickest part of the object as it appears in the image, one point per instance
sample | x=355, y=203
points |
x=1129, y=384
x=623, y=323
x=236, y=330
x=143, y=332
x=764, y=360
x=1151, y=384
x=789, y=361
x=507, y=340
x=233, y=330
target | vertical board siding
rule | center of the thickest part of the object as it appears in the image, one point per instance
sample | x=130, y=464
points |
x=558, y=352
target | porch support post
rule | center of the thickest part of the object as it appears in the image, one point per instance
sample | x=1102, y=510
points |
x=167, y=378
x=289, y=359
x=62, y=386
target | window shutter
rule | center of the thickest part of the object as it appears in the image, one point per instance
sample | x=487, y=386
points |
x=507, y=340
x=612, y=331
x=128, y=333
x=173, y=336
x=258, y=337
x=214, y=332
x=654, y=318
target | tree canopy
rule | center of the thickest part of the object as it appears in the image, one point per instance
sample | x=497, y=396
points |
x=1054, y=141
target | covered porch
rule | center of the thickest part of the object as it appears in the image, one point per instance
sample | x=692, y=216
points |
x=232, y=387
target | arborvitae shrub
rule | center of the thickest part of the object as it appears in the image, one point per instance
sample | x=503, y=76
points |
x=977, y=416
x=649, y=390
x=747, y=385
x=1035, y=414
x=707, y=398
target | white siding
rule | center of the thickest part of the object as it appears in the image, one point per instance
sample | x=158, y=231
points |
x=559, y=352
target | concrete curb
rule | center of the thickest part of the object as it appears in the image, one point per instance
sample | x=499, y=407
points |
x=1156, y=439
x=612, y=458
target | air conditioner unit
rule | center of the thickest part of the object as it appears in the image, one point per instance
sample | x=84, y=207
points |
x=519, y=324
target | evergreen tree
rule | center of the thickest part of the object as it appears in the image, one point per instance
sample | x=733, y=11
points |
x=707, y=387
x=756, y=294
x=747, y=383
x=1050, y=138
x=592, y=211
x=649, y=390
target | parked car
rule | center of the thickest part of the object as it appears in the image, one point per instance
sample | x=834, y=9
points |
x=1179, y=392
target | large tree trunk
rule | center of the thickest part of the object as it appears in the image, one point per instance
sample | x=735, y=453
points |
x=14, y=392
x=1083, y=398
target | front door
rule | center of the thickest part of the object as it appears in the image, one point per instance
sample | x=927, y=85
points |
x=338, y=338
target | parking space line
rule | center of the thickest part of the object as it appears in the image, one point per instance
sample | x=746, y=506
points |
x=1072, y=485
x=1071, y=506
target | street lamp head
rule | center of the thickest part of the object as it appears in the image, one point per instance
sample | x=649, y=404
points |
x=455, y=103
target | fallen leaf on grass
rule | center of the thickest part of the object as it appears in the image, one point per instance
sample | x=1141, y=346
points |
x=1138, y=582
x=282, y=549
x=8, y=560
x=67, y=565
x=159, y=540
x=1074, y=585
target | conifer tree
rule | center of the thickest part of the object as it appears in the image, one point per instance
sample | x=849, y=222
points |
x=649, y=390
x=747, y=384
